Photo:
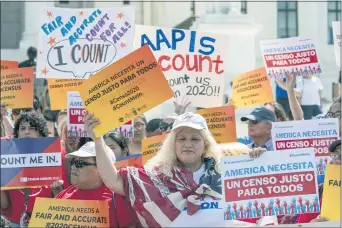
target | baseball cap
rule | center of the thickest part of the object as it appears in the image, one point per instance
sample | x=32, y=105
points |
x=334, y=145
x=260, y=114
x=191, y=120
x=87, y=151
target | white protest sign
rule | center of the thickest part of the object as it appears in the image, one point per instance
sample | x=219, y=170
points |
x=337, y=40
x=317, y=134
x=76, y=43
x=192, y=62
x=30, y=160
x=274, y=184
x=76, y=114
x=290, y=55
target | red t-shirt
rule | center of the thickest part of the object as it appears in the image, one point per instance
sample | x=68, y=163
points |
x=17, y=200
x=102, y=193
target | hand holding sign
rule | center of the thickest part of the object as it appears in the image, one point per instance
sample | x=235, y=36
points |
x=90, y=123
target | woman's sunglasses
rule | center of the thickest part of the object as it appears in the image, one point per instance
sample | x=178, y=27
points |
x=165, y=126
x=80, y=163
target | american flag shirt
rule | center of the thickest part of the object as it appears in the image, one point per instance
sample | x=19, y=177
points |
x=159, y=199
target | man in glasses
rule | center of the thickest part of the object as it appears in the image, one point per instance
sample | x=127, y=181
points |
x=88, y=185
x=259, y=127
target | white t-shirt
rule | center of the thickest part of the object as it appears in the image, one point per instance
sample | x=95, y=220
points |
x=309, y=89
x=197, y=175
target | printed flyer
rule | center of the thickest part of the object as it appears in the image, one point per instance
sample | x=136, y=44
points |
x=294, y=55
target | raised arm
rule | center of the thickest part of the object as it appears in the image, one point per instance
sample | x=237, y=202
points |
x=6, y=122
x=296, y=110
x=105, y=166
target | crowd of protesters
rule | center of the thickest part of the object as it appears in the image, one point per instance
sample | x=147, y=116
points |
x=186, y=163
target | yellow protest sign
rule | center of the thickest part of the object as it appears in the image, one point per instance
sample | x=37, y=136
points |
x=150, y=146
x=125, y=90
x=331, y=202
x=221, y=123
x=252, y=88
x=58, y=89
x=17, y=87
x=69, y=213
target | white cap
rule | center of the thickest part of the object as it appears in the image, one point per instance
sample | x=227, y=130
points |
x=87, y=151
x=191, y=120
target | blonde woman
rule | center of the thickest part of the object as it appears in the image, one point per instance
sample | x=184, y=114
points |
x=181, y=175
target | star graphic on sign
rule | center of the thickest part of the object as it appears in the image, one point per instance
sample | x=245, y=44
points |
x=120, y=15
x=44, y=71
x=52, y=41
x=81, y=13
x=123, y=44
x=49, y=14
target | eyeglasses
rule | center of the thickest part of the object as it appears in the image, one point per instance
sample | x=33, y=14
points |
x=80, y=163
x=335, y=156
x=165, y=126
x=254, y=122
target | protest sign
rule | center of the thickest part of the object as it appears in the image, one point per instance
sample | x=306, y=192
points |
x=30, y=162
x=150, y=146
x=337, y=40
x=125, y=90
x=294, y=55
x=52, y=213
x=58, y=89
x=17, y=87
x=317, y=134
x=5, y=64
x=76, y=43
x=331, y=201
x=221, y=123
x=76, y=114
x=208, y=215
x=125, y=161
x=252, y=88
x=192, y=61
x=276, y=184
x=126, y=130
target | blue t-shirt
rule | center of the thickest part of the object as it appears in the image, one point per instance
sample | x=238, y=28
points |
x=280, y=93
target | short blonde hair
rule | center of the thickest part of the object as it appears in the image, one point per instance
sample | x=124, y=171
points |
x=166, y=159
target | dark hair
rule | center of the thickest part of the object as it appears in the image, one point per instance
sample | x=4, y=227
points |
x=36, y=120
x=278, y=111
x=5, y=223
x=153, y=125
x=119, y=139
